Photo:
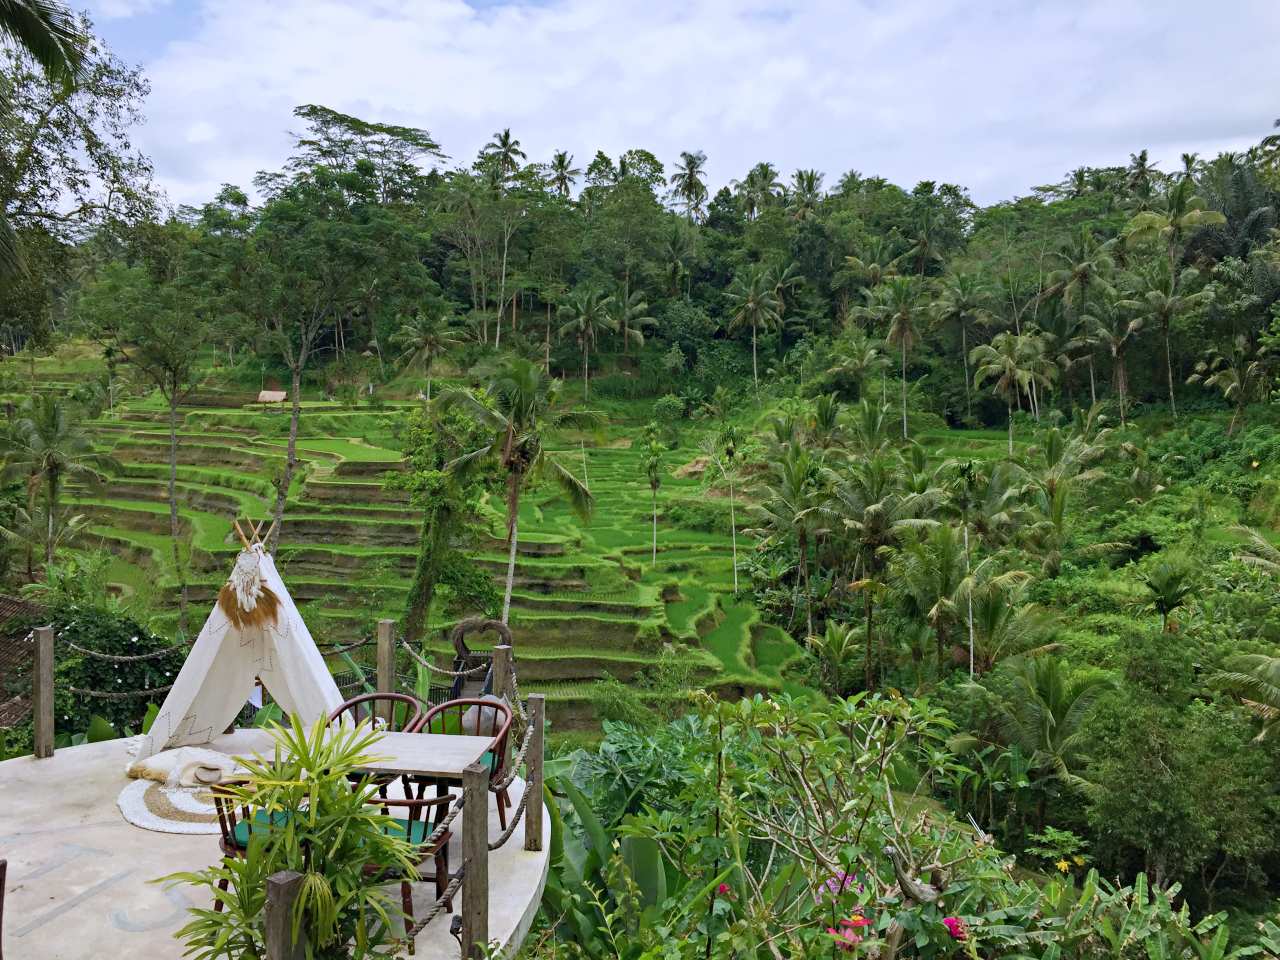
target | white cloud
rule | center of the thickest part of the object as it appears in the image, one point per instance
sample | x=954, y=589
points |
x=123, y=9
x=995, y=97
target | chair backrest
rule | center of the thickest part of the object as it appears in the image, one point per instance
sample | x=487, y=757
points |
x=230, y=807
x=470, y=716
x=405, y=711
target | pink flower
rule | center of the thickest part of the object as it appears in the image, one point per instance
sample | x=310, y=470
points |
x=845, y=938
x=857, y=920
x=722, y=889
x=835, y=885
x=957, y=928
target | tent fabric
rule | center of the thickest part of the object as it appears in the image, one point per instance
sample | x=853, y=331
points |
x=226, y=661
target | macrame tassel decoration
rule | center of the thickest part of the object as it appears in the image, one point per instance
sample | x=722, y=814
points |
x=245, y=598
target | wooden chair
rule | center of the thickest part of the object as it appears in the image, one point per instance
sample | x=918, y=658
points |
x=237, y=823
x=417, y=828
x=405, y=713
x=490, y=718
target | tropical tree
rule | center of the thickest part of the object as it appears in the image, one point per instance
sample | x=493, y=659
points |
x=688, y=185
x=805, y=194
x=1043, y=715
x=1116, y=329
x=902, y=307
x=562, y=174
x=1178, y=213
x=964, y=301
x=1164, y=296
x=858, y=357
x=519, y=406
x=721, y=451
x=630, y=315
x=875, y=263
x=930, y=570
x=758, y=189
x=46, y=447
x=503, y=150
x=1007, y=362
x=1242, y=376
x=1255, y=679
x=50, y=34
x=753, y=304
x=1005, y=624
x=585, y=316
x=1168, y=584
x=421, y=339
x=791, y=503
x=835, y=648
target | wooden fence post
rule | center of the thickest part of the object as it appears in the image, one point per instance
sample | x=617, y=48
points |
x=475, y=860
x=386, y=665
x=282, y=891
x=502, y=670
x=533, y=773
x=4, y=870
x=42, y=692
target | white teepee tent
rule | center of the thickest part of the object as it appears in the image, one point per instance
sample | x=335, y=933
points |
x=254, y=632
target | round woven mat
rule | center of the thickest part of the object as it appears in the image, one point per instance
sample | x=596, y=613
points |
x=154, y=806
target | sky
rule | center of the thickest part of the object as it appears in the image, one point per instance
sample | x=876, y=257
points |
x=998, y=96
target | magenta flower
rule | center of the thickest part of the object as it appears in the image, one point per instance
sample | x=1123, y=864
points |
x=722, y=889
x=958, y=929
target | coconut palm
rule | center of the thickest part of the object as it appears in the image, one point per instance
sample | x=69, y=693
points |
x=876, y=516
x=687, y=184
x=631, y=318
x=753, y=304
x=964, y=301
x=1243, y=376
x=1169, y=583
x=1258, y=551
x=504, y=150
x=520, y=405
x=790, y=506
x=858, y=357
x=1043, y=716
x=721, y=452
x=652, y=463
x=421, y=339
x=1170, y=221
x=1116, y=328
x=805, y=194
x=901, y=304
x=46, y=447
x=1255, y=679
x=50, y=34
x=1005, y=624
x=835, y=648
x=37, y=526
x=1164, y=295
x=928, y=575
x=875, y=263
x=677, y=254
x=585, y=316
x=758, y=189
x=1086, y=265
x=1006, y=361
x=563, y=174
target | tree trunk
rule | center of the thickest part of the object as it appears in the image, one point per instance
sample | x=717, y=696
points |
x=964, y=353
x=804, y=574
x=755, y=366
x=1009, y=407
x=291, y=459
x=513, y=522
x=586, y=371
x=547, y=354
x=653, y=562
x=1093, y=390
x=425, y=575
x=733, y=535
x=869, y=674
x=178, y=567
x=1168, y=369
x=904, y=389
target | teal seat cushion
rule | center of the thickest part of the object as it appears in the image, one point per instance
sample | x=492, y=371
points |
x=418, y=830
x=260, y=824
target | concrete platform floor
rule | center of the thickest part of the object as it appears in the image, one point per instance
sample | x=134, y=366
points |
x=77, y=887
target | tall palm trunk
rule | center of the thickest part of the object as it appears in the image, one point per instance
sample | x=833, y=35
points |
x=904, y=389
x=869, y=656
x=970, y=595
x=178, y=566
x=653, y=562
x=291, y=458
x=513, y=521
x=733, y=535
x=51, y=504
x=586, y=371
x=964, y=355
x=1093, y=390
x=1009, y=407
x=1168, y=368
x=755, y=366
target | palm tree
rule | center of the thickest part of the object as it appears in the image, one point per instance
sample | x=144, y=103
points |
x=50, y=34
x=965, y=300
x=834, y=649
x=630, y=318
x=421, y=339
x=1243, y=376
x=37, y=526
x=1043, y=715
x=1005, y=625
x=1163, y=296
x=678, y=252
x=687, y=184
x=1116, y=329
x=1086, y=265
x=901, y=304
x=753, y=303
x=876, y=516
x=521, y=404
x=586, y=315
x=504, y=150
x=652, y=463
x=858, y=358
x=1169, y=584
x=928, y=576
x=1142, y=173
x=1255, y=679
x=721, y=452
x=1179, y=212
x=46, y=447
x=805, y=194
x=875, y=264
x=760, y=188
x=563, y=174
x=1007, y=361
x=1258, y=551
x=789, y=507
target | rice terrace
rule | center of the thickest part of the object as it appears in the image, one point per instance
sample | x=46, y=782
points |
x=802, y=482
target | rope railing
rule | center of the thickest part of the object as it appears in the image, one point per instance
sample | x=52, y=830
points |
x=515, y=821
x=423, y=662
x=438, y=907
x=119, y=695
x=516, y=762
x=335, y=649
x=116, y=658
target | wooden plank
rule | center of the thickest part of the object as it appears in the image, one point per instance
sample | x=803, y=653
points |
x=386, y=665
x=4, y=871
x=533, y=773
x=282, y=891
x=42, y=692
x=502, y=670
x=475, y=861
x=427, y=754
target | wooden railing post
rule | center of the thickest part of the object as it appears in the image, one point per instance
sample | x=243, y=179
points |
x=386, y=665
x=533, y=773
x=475, y=860
x=282, y=892
x=502, y=670
x=4, y=870
x=42, y=692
